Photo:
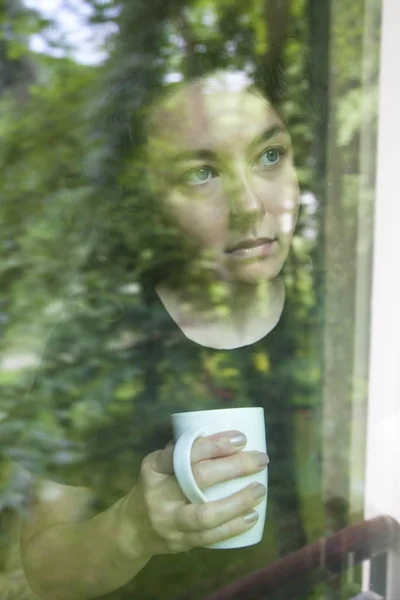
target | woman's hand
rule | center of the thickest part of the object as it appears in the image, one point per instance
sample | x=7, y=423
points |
x=168, y=522
x=90, y=557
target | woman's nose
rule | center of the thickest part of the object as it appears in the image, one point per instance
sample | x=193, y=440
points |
x=245, y=204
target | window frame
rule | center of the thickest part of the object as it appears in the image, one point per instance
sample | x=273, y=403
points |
x=382, y=472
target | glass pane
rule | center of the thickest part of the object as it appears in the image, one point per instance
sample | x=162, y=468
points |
x=187, y=207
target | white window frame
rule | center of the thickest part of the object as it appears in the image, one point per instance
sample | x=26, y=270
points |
x=382, y=488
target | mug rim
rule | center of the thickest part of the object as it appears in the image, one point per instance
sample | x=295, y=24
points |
x=219, y=410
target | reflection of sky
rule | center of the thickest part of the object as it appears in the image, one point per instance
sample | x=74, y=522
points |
x=70, y=30
x=18, y=361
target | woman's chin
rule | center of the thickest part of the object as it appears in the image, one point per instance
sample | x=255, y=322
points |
x=254, y=273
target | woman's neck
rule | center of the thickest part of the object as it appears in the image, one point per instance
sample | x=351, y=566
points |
x=246, y=315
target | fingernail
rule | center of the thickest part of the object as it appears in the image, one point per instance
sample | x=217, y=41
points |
x=262, y=460
x=238, y=440
x=258, y=490
x=251, y=517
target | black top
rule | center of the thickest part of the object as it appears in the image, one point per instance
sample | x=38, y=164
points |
x=102, y=402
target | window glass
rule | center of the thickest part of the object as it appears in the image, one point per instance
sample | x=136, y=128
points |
x=187, y=213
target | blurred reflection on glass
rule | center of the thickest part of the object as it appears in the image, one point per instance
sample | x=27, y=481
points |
x=210, y=194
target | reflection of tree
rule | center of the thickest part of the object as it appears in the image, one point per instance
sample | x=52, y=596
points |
x=193, y=32
x=277, y=16
x=16, y=70
x=107, y=379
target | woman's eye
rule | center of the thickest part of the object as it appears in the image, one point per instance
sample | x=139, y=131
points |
x=270, y=157
x=199, y=176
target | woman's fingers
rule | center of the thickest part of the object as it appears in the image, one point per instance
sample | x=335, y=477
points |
x=214, y=469
x=205, y=448
x=223, y=532
x=211, y=515
x=218, y=445
x=210, y=472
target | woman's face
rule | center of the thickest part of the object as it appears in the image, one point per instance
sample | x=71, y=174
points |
x=224, y=165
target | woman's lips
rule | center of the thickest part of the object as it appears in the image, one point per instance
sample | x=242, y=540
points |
x=260, y=247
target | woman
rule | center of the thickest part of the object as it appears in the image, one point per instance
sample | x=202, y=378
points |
x=223, y=164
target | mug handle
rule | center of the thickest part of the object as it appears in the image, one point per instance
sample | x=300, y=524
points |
x=183, y=466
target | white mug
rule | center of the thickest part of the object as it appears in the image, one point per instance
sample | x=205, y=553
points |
x=189, y=426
